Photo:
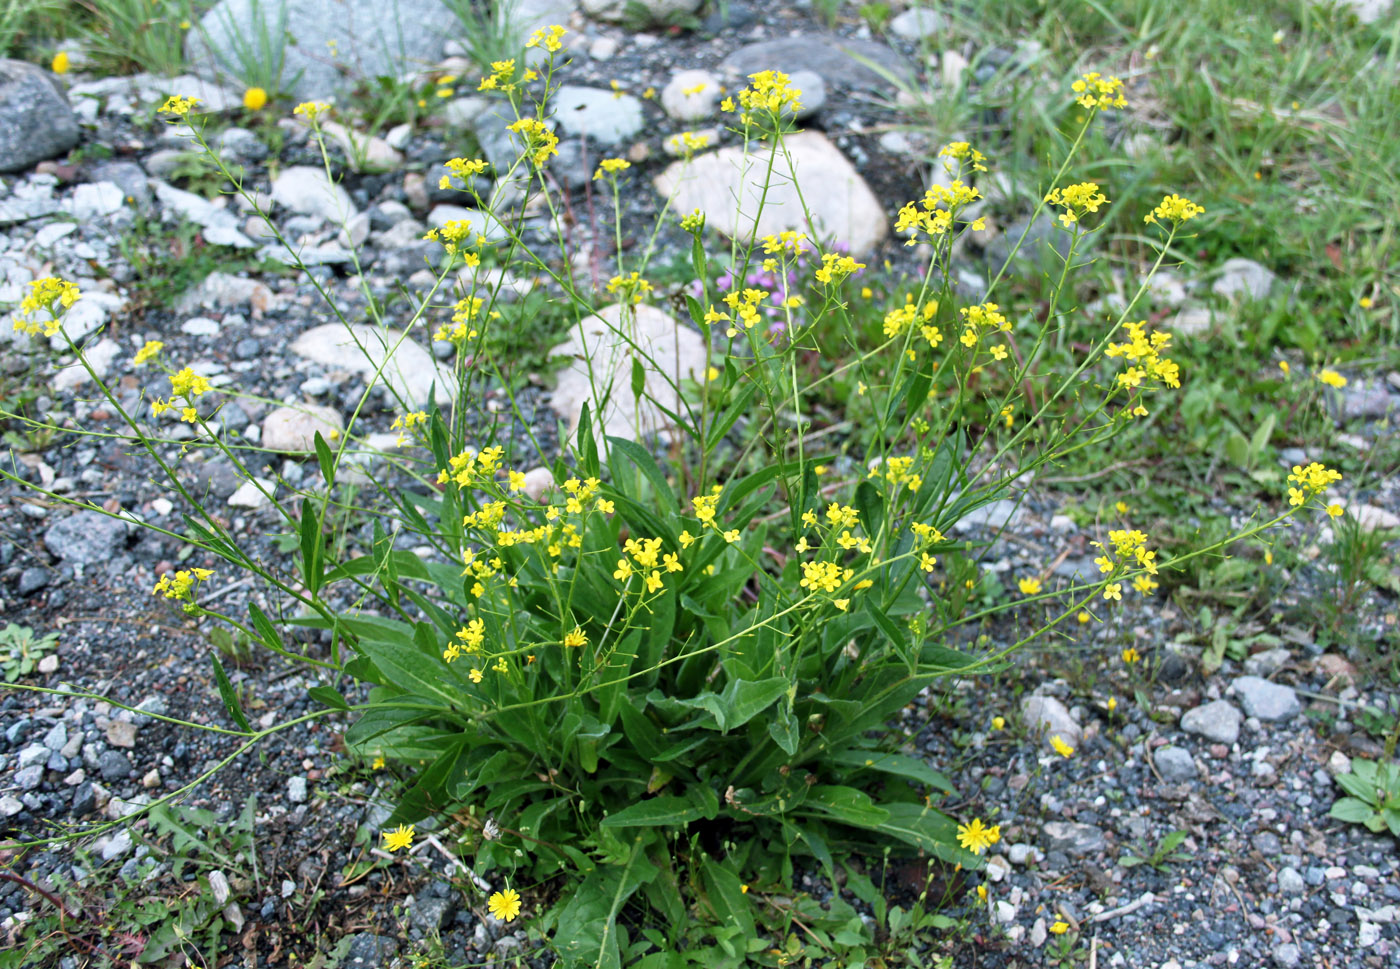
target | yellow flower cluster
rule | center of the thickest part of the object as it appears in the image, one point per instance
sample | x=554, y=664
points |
x=540, y=142
x=178, y=106
x=186, y=384
x=470, y=466
x=1077, y=201
x=687, y=143
x=1174, y=208
x=770, y=92
x=631, y=288
x=963, y=152
x=550, y=38
x=464, y=313
x=502, y=78
x=1331, y=378
x=647, y=560
x=786, y=242
x=407, y=423
x=311, y=110
x=178, y=586
x=1143, y=352
x=49, y=294
x=151, y=349
x=836, y=267
x=461, y=169
x=1311, y=480
x=979, y=319
x=898, y=472
x=1096, y=91
x=1126, y=549
x=899, y=320
x=935, y=214
x=611, y=166
x=456, y=236
x=744, y=304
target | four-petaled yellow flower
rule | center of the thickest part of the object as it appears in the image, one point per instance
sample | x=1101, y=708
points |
x=400, y=837
x=504, y=905
x=977, y=837
x=1114, y=590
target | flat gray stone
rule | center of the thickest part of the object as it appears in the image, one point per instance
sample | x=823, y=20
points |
x=652, y=11
x=334, y=43
x=598, y=113
x=86, y=537
x=1174, y=764
x=1265, y=700
x=293, y=430
x=1051, y=718
x=1242, y=278
x=307, y=191
x=36, y=121
x=407, y=367
x=1218, y=721
x=840, y=61
x=1073, y=838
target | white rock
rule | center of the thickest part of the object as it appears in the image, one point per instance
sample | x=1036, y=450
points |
x=86, y=316
x=292, y=430
x=538, y=481
x=407, y=367
x=842, y=206
x=998, y=868
x=162, y=506
x=1243, y=278
x=250, y=494
x=50, y=234
x=621, y=11
x=952, y=67
x=307, y=191
x=669, y=352
x=99, y=357
x=1006, y=912
x=1048, y=714
x=366, y=153
x=95, y=200
x=221, y=227
x=603, y=49
x=1370, y=518
x=601, y=114
x=1191, y=321
x=200, y=326
x=691, y=95
x=918, y=23
x=1367, y=11
x=219, y=887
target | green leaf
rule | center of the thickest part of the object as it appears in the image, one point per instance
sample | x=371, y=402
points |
x=928, y=830
x=847, y=805
x=230, y=698
x=264, y=626
x=310, y=547
x=1351, y=809
x=645, y=463
x=325, y=459
x=406, y=668
x=587, y=932
x=907, y=767
x=730, y=416
x=726, y=897
x=657, y=812
x=785, y=731
x=587, y=444
x=740, y=702
x=639, y=377
x=329, y=697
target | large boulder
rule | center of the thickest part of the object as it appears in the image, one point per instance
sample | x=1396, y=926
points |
x=35, y=120
x=403, y=365
x=841, y=204
x=650, y=11
x=333, y=43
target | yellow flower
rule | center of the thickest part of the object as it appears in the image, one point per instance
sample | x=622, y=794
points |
x=60, y=63
x=1364, y=302
x=1061, y=748
x=255, y=99
x=1083, y=617
x=1131, y=656
x=1335, y=510
x=400, y=837
x=576, y=638
x=977, y=837
x=981, y=893
x=1114, y=590
x=1112, y=704
x=1331, y=378
x=378, y=764
x=998, y=723
x=505, y=905
x=151, y=348
x=1096, y=91
x=178, y=106
x=1029, y=587
x=1060, y=927
x=475, y=675
x=311, y=110
x=1174, y=208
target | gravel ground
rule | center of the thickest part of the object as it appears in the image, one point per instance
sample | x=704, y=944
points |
x=1242, y=761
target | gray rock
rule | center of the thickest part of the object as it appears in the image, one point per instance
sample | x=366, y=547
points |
x=33, y=754
x=221, y=227
x=113, y=766
x=1269, y=661
x=10, y=806
x=95, y=200
x=370, y=951
x=128, y=176
x=429, y=915
x=1073, y=838
x=813, y=90
x=1265, y=700
x=649, y=11
x=35, y=120
x=32, y=579
x=121, y=733
x=119, y=845
x=691, y=95
x=29, y=778
x=1050, y=717
x=1218, y=721
x=25, y=210
x=156, y=705
x=1243, y=279
x=333, y=48
x=296, y=790
x=307, y=191
x=57, y=737
x=86, y=538
x=838, y=60
x=1288, y=955
x=1365, y=399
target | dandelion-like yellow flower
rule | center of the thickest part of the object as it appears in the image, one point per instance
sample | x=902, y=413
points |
x=1060, y=927
x=1029, y=587
x=504, y=905
x=400, y=837
x=255, y=99
x=576, y=637
x=60, y=63
x=1331, y=378
x=1061, y=748
x=977, y=837
x=1130, y=655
